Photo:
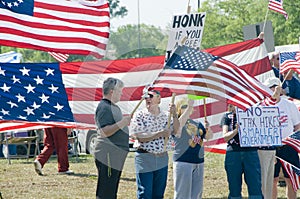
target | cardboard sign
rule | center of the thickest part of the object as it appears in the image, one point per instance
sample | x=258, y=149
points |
x=259, y=126
x=185, y=30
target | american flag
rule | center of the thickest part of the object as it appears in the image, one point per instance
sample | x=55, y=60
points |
x=59, y=56
x=190, y=71
x=289, y=61
x=83, y=83
x=67, y=27
x=293, y=172
x=277, y=6
x=33, y=94
x=293, y=141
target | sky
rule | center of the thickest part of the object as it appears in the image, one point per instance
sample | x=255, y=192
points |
x=152, y=12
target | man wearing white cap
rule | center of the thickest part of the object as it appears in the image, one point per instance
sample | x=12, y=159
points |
x=290, y=124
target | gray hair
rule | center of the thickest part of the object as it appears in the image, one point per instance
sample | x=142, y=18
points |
x=110, y=84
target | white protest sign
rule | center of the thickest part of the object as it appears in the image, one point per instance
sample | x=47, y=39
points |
x=185, y=30
x=259, y=126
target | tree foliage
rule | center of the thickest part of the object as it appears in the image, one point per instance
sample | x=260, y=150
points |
x=137, y=41
x=117, y=10
x=225, y=20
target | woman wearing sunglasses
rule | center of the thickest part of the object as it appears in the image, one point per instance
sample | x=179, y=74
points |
x=188, y=158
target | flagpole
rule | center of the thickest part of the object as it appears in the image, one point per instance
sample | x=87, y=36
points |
x=137, y=106
x=285, y=78
x=189, y=8
x=204, y=106
x=287, y=162
x=265, y=20
x=169, y=121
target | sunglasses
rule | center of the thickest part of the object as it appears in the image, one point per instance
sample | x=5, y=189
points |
x=149, y=96
x=184, y=106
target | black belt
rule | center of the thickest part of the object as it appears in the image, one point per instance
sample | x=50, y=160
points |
x=267, y=148
x=140, y=150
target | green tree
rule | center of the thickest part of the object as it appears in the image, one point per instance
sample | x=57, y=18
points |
x=132, y=41
x=117, y=10
x=225, y=20
x=287, y=31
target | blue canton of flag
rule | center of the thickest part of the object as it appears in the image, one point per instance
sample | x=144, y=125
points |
x=33, y=92
x=297, y=171
x=296, y=135
x=186, y=58
x=287, y=55
x=18, y=6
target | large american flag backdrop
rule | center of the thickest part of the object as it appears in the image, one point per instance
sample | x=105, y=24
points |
x=83, y=81
x=67, y=27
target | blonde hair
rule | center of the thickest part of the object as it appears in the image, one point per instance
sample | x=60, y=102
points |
x=179, y=103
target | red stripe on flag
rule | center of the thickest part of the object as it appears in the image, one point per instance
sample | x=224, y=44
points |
x=72, y=28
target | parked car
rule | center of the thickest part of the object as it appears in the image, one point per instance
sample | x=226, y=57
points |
x=87, y=141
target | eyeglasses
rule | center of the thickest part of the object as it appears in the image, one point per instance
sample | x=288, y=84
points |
x=184, y=106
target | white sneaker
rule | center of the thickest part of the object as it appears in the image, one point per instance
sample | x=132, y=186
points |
x=69, y=172
x=38, y=167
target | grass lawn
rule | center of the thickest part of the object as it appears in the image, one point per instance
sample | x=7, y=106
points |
x=19, y=179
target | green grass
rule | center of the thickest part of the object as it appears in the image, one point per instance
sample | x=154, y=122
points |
x=19, y=179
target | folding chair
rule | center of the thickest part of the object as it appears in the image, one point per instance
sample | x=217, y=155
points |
x=11, y=138
x=73, y=140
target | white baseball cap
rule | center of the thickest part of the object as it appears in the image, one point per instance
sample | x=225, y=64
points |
x=272, y=81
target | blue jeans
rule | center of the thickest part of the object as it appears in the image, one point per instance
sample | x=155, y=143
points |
x=238, y=163
x=151, y=175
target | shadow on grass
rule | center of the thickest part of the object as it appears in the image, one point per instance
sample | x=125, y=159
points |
x=93, y=176
x=128, y=179
x=83, y=175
